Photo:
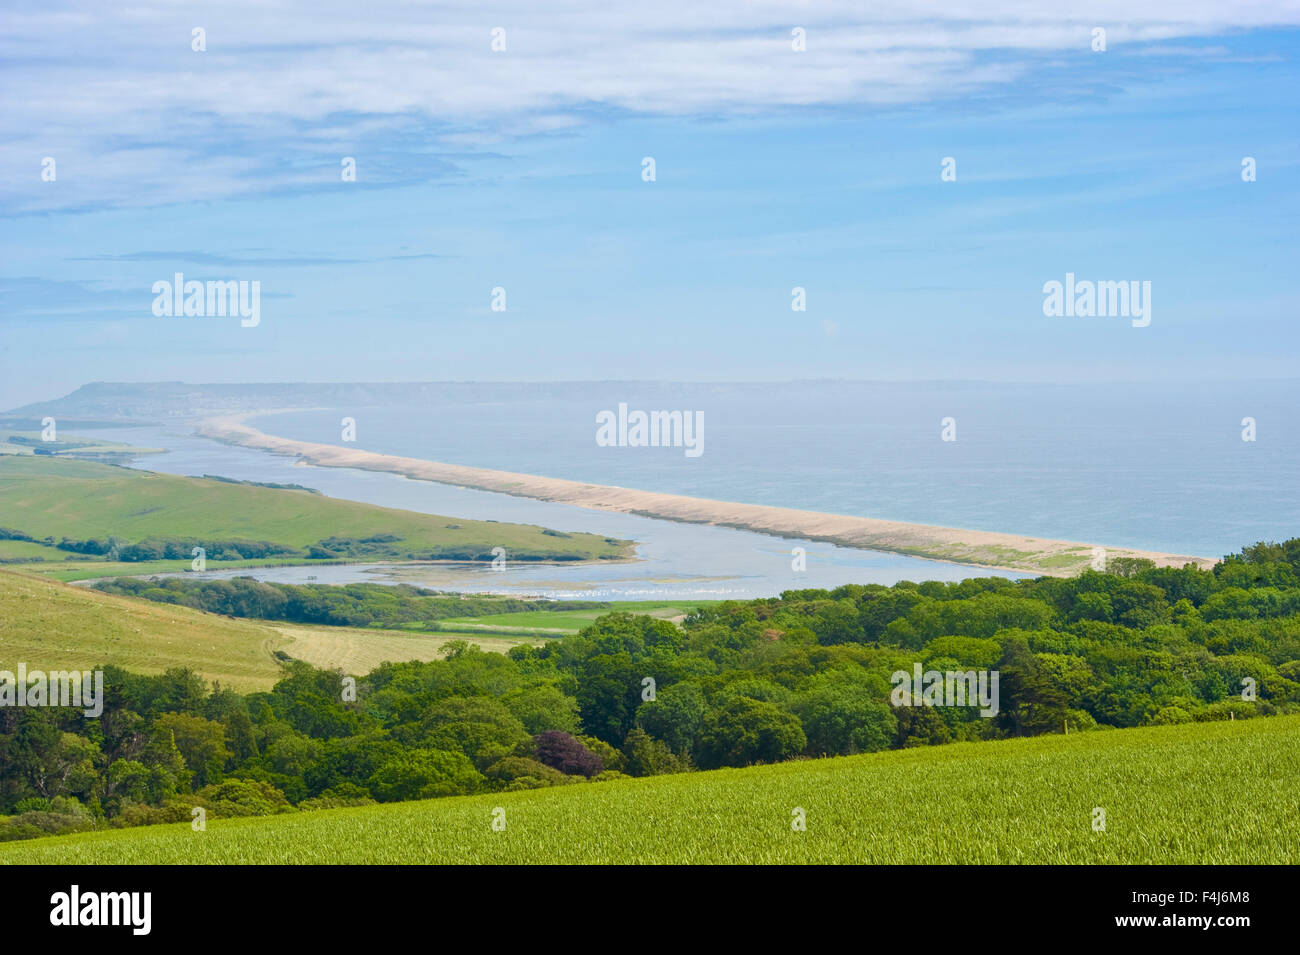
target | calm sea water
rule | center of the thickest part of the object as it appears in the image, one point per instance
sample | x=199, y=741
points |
x=1151, y=466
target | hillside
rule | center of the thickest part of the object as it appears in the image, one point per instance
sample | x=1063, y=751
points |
x=50, y=625
x=48, y=499
x=1013, y=801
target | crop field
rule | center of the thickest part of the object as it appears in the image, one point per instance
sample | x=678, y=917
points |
x=1225, y=792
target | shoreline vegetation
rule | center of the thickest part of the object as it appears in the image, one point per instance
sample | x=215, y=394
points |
x=989, y=549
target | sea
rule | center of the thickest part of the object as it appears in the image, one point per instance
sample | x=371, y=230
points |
x=1191, y=469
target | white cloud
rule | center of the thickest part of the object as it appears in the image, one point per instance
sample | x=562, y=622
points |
x=115, y=93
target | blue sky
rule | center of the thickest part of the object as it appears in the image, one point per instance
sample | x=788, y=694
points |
x=522, y=169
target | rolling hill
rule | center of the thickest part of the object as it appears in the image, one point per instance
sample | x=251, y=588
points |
x=55, y=626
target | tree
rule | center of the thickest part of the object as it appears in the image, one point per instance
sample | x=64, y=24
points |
x=921, y=726
x=677, y=715
x=243, y=797
x=647, y=756
x=426, y=774
x=481, y=728
x=609, y=692
x=57, y=762
x=1030, y=701
x=167, y=772
x=128, y=779
x=543, y=707
x=749, y=731
x=841, y=717
x=561, y=751
x=838, y=623
x=202, y=744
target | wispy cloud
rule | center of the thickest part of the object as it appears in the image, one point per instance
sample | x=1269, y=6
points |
x=133, y=116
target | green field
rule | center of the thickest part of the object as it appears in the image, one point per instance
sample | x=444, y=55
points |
x=75, y=570
x=1201, y=793
x=53, y=626
x=53, y=497
x=356, y=650
x=571, y=621
x=23, y=442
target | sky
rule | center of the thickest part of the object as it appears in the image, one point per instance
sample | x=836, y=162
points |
x=522, y=169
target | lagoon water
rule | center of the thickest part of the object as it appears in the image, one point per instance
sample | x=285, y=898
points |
x=677, y=561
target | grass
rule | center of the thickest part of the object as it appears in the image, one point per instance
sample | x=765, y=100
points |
x=93, y=569
x=68, y=445
x=359, y=650
x=27, y=550
x=1196, y=794
x=54, y=497
x=571, y=621
x=54, y=626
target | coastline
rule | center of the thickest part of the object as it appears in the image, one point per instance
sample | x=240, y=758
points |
x=988, y=549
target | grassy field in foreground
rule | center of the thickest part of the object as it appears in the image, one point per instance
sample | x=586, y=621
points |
x=1200, y=793
x=54, y=497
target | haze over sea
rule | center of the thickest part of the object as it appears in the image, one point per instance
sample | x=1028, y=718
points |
x=1160, y=466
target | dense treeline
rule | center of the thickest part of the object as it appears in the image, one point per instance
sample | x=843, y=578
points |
x=176, y=548
x=351, y=605
x=804, y=675
x=374, y=547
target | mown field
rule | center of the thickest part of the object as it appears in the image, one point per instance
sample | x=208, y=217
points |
x=356, y=650
x=52, y=497
x=571, y=621
x=1201, y=793
x=53, y=626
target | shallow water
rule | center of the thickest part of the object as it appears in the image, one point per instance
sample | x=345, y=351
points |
x=677, y=561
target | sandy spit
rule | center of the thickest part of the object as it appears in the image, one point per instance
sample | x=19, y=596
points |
x=1035, y=555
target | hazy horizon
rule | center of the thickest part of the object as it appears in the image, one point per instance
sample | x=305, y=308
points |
x=835, y=193
x=971, y=382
